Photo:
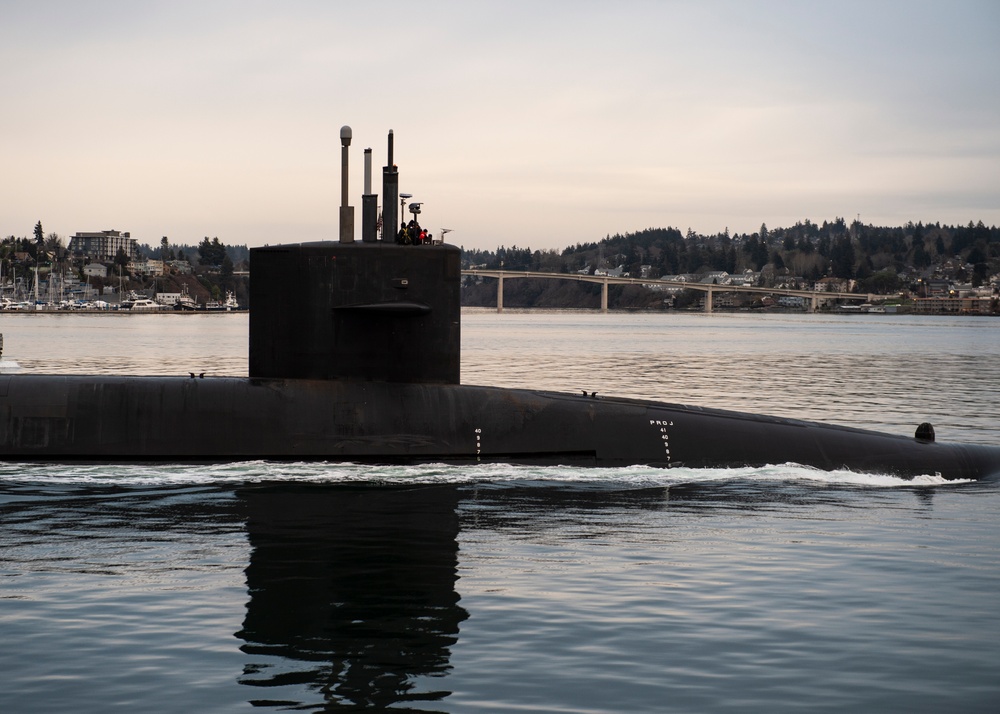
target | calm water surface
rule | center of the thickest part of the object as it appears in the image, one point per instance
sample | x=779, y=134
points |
x=337, y=587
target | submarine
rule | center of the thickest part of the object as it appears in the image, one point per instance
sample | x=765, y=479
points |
x=354, y=355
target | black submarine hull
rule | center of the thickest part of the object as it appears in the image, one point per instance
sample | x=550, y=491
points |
x=97, y=418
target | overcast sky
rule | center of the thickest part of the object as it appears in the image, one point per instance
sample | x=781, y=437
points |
x=537, y=124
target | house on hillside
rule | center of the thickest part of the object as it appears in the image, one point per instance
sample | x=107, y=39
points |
x=748, y=278
x=716, y=277
x=832, y=285
x=95, y=270
x=612, y=272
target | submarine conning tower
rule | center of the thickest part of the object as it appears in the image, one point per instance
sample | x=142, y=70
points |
x=356, y=310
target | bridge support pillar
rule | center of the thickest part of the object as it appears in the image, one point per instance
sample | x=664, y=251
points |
x=500, y=294
x=813, y=303
x=708, y=300
x=604, y=296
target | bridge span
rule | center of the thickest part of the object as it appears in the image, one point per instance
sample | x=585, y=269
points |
x=814, y=296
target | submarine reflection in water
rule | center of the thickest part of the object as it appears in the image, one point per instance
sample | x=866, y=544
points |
x=351, y=594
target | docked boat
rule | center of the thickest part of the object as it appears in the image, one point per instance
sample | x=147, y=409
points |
x=145, y=305
x=19, y=306
x=185, y=302
x=227, y=305
x=134, y=303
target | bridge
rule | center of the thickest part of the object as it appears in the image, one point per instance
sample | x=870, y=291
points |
x=813, y=296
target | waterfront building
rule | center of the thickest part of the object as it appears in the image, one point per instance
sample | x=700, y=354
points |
x=792, y=301
x=954, y=305
x=102, y=245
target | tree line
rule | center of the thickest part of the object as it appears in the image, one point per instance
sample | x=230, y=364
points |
x=808, y=250
x=879, y=259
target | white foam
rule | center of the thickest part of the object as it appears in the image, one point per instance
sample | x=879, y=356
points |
x=326, y=472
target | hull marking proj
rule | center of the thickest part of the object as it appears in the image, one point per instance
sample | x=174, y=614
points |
x=662, y=430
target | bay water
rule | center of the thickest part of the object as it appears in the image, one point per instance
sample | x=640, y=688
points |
x=342, y=587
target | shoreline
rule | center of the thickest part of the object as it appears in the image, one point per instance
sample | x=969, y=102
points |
x=527, y=310
x=168, y=311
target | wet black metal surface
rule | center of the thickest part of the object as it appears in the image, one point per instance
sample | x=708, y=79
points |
x=362, y=310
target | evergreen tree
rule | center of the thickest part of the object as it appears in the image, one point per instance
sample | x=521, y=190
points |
x=121, y=259
x=211, y=252
x=980, y=274
x=842, y=257
x=730, y=266
x=760, y=255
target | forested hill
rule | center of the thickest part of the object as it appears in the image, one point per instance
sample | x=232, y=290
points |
x=878, y=258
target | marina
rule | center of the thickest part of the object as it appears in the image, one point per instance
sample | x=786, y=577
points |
x=132, y=304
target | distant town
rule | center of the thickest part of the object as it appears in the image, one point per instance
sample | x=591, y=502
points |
x=919, y=268
x=110, y=270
